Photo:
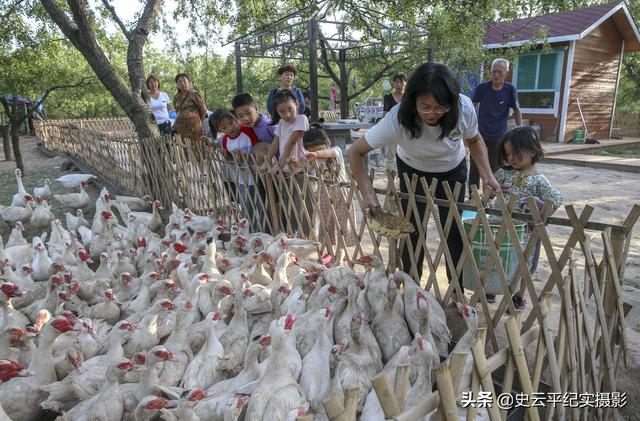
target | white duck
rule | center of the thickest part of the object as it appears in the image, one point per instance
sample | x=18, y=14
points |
x=13, y=214
x=108, y=404
x=21, y=396
x=41, y=216
x=10, y=316
x=152, y=220
x=136, y=204
x=44, y=191
x=107, y=310
x=413, y=294
x=251, y=370
x=171, y=372
x=19, y=198
x=146, y=335
x=185, y=409
x=75, y=200
x=203, y=371
x=72, y=181
x=41, y=261
x=358, y=366
x=16, y=238
x=315, y=377
x=389, y=326
x=235, y=338
x=466, y=341
x=277, y=392
x=74, y=222
x=150, y=406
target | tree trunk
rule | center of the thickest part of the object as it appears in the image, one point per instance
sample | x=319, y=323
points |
x=15, y=140
x=6, y=143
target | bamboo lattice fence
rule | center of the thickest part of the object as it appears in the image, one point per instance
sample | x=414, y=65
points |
x=570, y=340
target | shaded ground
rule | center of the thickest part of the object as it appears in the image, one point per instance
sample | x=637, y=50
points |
x=37, y=168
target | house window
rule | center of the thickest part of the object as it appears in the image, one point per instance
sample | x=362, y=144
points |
x=537, y=77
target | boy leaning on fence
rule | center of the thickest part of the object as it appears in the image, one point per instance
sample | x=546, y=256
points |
x=237, y=145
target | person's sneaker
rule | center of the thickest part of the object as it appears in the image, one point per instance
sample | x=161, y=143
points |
x=491, y=298
x=518, y=302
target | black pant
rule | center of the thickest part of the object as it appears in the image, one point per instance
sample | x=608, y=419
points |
x=454, y=240
x=492, y=151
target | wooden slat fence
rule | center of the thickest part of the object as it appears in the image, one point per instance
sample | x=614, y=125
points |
x=572, y=338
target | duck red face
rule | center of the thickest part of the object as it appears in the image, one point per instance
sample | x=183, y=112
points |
x=364, y=260
x=106, y=215
x=167, y=305
x=332, y=289
x=242, y=401
x=225, y=290
x=9, y=369
x=125, y=325
x=139, y=358
x=179, y=247
x=127, y=365
x=156, y=403
x=125, y=277
x=11, y=290
x=83, y=255
x=62, y=324
x=421, y=297
x=265, y=340
x=248, y=293
x=311, y=277
x=196, y=395
x=289, y=321
x=216, y=316
x=162, y=353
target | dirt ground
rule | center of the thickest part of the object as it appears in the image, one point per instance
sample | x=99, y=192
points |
x=612, y=193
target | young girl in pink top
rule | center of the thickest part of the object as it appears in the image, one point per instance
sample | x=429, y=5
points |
x=287, y=142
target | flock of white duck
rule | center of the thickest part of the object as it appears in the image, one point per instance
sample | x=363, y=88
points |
x=208, y=322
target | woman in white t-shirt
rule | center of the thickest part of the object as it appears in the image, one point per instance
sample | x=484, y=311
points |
x=160, y=105
x=430, y=129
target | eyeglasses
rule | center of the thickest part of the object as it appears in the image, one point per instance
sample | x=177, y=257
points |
x=436, y=111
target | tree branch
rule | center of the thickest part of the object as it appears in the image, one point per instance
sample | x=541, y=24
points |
x=11, y=9
x=60, y=18
x=376, y=77
x=78, y=11
x=116, y=18
x=323, y=58
x=137, y=39
x=83, y=82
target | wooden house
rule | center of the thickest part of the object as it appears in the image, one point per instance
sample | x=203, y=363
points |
x=580, y=65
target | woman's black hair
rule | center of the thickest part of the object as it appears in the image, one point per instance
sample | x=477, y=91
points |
x=400, y=76
x=217, y=117
x=522, y=139
x=315, y=137
x=437, y=80
x=179, y=75
x=281, y=97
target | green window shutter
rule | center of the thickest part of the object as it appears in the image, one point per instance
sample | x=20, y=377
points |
x=527, y=68
x=547, y=76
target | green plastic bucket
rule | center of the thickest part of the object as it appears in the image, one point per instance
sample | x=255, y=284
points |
x=481, y=254
x=579, y=136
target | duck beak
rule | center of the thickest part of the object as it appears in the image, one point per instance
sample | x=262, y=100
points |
x=171, y=404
